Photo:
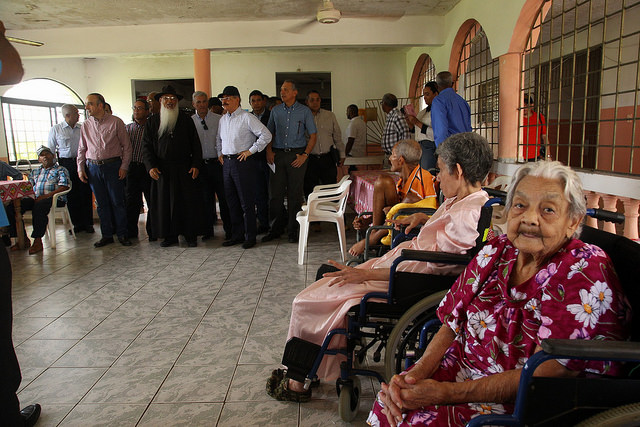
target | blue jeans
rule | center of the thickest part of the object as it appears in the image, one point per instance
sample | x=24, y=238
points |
x=109, y=192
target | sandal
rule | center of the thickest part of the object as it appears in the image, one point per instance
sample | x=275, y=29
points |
x=280, y=391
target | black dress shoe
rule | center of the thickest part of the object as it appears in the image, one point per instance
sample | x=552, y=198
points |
x=293, y=239
x=192, y=243
x=30, y=414
x=124, y=241
x=77, y=230
x=103, y=242
x=269, y=237
x=207, y=236
x=232, y=242
x=89, y=229
x=248, y=244
x=169, y=241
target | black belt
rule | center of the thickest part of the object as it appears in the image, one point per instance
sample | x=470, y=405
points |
x=286, y=150
x=103, y=162
x=211, y=160
x=319, y=156
x=230, y=156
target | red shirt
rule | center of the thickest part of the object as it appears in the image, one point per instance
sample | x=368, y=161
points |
x=532, y=135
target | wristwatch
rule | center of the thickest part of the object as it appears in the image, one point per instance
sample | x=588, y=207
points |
x=305, y=153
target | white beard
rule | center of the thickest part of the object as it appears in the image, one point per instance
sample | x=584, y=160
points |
x=168, y=119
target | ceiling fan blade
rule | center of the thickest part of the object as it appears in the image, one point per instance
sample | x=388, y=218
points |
x=300, y=28
x=376, y=17
x=24, y=41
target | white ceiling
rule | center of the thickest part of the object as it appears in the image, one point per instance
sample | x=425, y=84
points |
x=49, y=14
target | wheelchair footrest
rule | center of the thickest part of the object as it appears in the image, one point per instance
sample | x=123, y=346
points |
x=299, y=357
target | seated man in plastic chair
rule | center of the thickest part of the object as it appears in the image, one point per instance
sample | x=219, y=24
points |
x=47, y=180
x=415, y=184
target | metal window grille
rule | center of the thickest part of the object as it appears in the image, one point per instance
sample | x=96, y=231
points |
x=580, y=67
x=427, y=73
x=478, y=82
x=27, y=124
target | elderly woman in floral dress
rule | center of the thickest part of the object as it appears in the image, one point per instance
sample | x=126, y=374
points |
x=538, y=281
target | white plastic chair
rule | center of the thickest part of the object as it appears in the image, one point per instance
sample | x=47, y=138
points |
x=53, y=214
x=328, y=206
x=64, y=214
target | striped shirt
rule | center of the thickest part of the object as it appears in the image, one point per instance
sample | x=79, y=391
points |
x=395, y=129
x=135, y=131
x=44, y=181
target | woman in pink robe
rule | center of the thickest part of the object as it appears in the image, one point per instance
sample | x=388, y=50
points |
x=464, y=161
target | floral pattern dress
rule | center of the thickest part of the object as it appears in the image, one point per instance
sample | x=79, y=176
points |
x=498, y=326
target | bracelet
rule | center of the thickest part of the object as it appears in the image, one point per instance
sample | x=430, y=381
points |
x=305, y=153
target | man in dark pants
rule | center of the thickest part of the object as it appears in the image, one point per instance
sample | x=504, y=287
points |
x=138, y=180
x=10, y=72
x=240, y=136
x=258, y=103
x=210, y=177
x=64, y=138
x=289, y=150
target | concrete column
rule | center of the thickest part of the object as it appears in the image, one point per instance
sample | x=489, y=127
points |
x=509, y=102
x=202, y=70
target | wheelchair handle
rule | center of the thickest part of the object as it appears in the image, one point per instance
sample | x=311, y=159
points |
x=608, y=216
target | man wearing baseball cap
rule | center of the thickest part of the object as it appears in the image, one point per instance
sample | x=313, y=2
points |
x=47, y=180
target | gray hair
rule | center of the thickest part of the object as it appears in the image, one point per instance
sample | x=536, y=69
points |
x=390, y=100
x=293, y=84
x=197, y=94
x=444, y=79
x=408, y=149
x=469, y=150
x=68, y=109
x=555, y=170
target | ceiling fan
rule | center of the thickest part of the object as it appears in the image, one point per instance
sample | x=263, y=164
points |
x=326, y=13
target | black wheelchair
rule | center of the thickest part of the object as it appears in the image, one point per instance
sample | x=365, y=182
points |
x=563, y=401
x=602, y=401
x=381, y=324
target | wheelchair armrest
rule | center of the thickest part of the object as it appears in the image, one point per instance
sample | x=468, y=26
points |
x=592, y=349
x=433, y=256
x=368, y=233
x=410, y=211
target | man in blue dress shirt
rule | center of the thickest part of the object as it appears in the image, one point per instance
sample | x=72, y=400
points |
x=64, y=138
x=240, y=136
x=450, y=113
x=289, y=151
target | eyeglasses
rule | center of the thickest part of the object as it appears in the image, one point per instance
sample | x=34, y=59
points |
x=204, y=125
x=170, y=97
x=138, y=108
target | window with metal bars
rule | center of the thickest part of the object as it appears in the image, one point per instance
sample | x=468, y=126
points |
x=580, y=67
x=29, y=110
x=426, y=72
x=478, y=83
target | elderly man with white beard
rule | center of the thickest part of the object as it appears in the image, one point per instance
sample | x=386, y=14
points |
x=173, y=156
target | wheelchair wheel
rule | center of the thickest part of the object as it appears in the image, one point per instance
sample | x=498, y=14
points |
x=626, y=415
x=349, y=400
x=405, y=336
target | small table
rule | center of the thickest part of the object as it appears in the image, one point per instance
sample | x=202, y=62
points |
x=361, y=190
x=13, y=191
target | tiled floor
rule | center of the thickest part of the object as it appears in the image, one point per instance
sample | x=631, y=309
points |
x=150, y=336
